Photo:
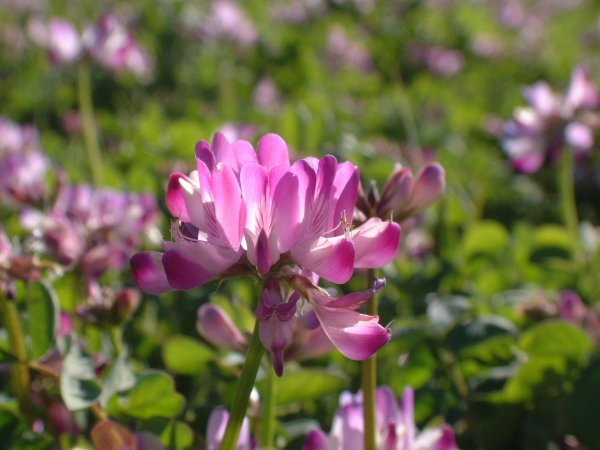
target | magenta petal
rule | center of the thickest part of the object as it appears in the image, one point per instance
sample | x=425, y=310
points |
x=330, y=258
x=205, y=154
x=221, y=148
x=346, y=189
x=230, y=210
x=193, y=264
x=376, y=243
x=354, y=300
x=266, y=253
x=315, y=440
x=441, y=438
x=357, y=336
x=149, y=273
x=175, y=198
x=253, y=180
x=395, y=195
x=273, y=151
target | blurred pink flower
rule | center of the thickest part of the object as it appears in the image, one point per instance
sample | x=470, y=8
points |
x=539, y=132
x=395, y=426
x=217, y=422
x=59, y=37
x=23, y=165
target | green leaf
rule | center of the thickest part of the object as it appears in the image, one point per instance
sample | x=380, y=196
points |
x=556, y=339
x=153, y=395
x=486, y=237
x=295, y=386
x=119, y=379
x=42, y=308
x=186, y=356
x=78, y=385
x=177, y=435
x=551, y=241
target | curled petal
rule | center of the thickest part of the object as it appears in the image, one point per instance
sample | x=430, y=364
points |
x=175, y=198
x=376, y=243
x=149, y=273
x=357, y=336
x=330, y=258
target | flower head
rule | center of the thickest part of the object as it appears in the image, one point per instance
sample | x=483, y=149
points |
x=395, y=427
x=538, y=132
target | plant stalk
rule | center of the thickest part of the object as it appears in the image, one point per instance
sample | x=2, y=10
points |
x=19, y=371
x=243, y=390
x=267, y=423
x=566, y=186
x=369, y=379
x=90, y=132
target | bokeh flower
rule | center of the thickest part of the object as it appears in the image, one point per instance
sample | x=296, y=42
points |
x=539, y=132
x=395, y=426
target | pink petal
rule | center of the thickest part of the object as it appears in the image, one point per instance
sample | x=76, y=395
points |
x=253, y=180
x=215, y=431
x=273, y=151
x=205, y=154
x=376, y=243
x=221, y=148
x=395, y=195
x=441, y=438
x=188, y=265
x=330, y=258
x=581, y=94
x=285, y=210
x=579, y=136
x=175, y=198
x=149, y=273
x=353, y=300
x=230, y=210
x=357, y=336
x=345, y=187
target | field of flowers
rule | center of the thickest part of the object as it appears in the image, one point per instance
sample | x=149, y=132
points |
x=300, y=224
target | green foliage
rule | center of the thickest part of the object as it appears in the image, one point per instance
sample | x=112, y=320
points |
x=186, y=356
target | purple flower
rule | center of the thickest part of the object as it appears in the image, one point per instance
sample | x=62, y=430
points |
x=94, y=229
x=23, y=166
x=113, y=46
x=538, y=132
x=255, y=207
x=59, y=37
x=217, y=422
x=395, y=426
x=227, y=20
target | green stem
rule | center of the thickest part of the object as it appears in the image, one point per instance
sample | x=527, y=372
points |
x=116, y=339
x=369, y=380
x=267, y=423
x=243, y=390
x=90, y=132
x=19, y=370
x=566, y=185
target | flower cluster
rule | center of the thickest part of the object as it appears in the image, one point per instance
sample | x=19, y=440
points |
x=93, y=229
x=23, y=165
x=395, y=430
x=108, y=42
x=246, y=212
x=537, y=133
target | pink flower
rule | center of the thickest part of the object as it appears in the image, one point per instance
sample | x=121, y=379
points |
x=59, y=37
x=216, y=327
x=395, y=430
x=113, y=46
x=217, y=422
x=538, y=132
x=255, y=207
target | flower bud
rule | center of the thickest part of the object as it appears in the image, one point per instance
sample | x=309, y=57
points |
x=216, y=327
x=429, y=185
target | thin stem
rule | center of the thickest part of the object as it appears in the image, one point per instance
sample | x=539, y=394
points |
x=19, y=371
x=90, y=132
x=267, y=423
x=116, y=339
x=566, y=185
x=369, y=380
x=243, y=390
